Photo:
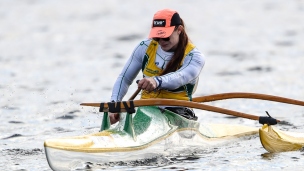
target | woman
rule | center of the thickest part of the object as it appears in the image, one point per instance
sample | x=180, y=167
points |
x=170, y=64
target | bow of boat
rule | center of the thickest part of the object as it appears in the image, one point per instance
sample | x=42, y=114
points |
x=275, y=140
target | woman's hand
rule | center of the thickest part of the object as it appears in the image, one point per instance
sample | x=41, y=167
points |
x=148, y=84
x=114, y=117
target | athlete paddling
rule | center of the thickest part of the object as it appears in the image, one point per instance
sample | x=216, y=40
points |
x=169, y=62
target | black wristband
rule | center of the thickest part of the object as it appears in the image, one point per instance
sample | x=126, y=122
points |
x=160, y=81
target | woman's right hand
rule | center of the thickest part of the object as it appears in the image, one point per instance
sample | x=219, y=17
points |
x=148, y=84
x=114, y=117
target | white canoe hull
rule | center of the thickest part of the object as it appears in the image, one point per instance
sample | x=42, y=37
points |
x=164, y=134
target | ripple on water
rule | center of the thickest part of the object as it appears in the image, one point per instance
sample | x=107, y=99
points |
x=25, y=152
x=260, y=69
x=16, y=122
x=12, y=136
x=59, y=129
x=9, y=108
x=68, y=116
x=143, y=163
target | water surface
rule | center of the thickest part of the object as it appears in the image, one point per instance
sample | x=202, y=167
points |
x=55, y=55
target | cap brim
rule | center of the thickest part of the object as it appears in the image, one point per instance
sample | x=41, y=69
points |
x=161, y=32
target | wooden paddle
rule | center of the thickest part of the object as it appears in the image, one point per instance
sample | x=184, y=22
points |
x=135, y=93
x=128, y=106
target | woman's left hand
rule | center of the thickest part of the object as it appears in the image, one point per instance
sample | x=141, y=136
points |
x=148, y=84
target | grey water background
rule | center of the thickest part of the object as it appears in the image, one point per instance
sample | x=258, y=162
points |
x=55, y=55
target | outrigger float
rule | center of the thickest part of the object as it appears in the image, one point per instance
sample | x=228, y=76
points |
x=153, y=131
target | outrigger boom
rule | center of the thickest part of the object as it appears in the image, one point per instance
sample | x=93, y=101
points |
x=129, y=107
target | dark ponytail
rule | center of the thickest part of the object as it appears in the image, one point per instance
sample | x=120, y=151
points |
x=175, y=62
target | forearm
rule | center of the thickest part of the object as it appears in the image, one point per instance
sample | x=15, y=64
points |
x=188, y=73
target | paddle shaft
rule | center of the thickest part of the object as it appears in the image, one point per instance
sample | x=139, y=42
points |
x=135, y=94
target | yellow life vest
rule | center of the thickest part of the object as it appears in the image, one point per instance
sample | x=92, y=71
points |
x=149, y=69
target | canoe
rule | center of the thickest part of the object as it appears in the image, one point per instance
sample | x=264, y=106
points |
x=275, y=140
x=150, y=132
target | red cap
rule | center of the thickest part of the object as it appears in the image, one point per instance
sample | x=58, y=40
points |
x=164, y=22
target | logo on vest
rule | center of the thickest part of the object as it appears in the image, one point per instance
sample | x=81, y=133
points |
x=151, y=71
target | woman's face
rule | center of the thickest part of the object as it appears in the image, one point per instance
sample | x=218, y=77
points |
x=171, y=44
